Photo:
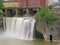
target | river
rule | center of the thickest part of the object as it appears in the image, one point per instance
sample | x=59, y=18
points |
x=24, y=42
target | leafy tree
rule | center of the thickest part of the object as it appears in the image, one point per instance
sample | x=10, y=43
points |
x=44, y=15
x=1, y=13
x=1, y=7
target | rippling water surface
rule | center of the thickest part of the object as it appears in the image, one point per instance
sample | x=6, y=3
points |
x=24, y=42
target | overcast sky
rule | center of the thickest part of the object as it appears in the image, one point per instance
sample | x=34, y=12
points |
x=56, y=0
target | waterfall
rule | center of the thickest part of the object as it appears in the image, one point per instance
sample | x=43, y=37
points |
x=19, y=27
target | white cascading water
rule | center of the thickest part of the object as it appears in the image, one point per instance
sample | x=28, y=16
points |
x=19, y=28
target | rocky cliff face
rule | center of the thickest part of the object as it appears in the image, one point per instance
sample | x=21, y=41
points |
x=53, y=30
x=42, y=28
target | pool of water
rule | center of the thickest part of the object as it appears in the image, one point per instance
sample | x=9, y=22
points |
x=24, y=42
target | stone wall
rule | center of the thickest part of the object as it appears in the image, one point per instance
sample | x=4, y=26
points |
x=53, y=29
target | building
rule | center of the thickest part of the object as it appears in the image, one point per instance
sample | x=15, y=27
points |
x=22, y=7
x=50, y=2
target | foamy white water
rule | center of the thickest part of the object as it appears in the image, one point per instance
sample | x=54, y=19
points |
x=19, y=28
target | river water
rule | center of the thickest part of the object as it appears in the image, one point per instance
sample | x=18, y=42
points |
x=24, y=42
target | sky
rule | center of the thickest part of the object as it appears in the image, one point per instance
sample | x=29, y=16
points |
x=56, y=0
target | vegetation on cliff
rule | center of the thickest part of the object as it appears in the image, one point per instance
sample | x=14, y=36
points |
x=44, y=14
x=1, y=8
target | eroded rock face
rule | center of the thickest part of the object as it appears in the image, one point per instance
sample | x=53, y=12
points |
x=39, y=35
x=41, y=28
